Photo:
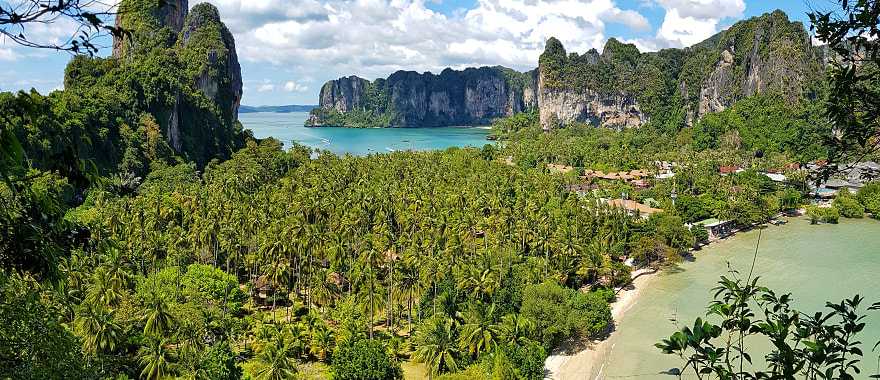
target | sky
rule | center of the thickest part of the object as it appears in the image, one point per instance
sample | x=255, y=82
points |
x=289, y=48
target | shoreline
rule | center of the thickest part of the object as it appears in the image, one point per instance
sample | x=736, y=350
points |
x=577, y=358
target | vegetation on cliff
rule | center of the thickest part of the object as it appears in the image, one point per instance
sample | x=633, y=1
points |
x=763, y=55
x=408, y=99
x=124, y=114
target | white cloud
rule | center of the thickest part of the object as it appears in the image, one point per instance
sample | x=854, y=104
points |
x=6, y=54
x=685, y=31
x=326, y=39
x=292, y=86
x=267, y=87
x=688, y=22
x=705, y=9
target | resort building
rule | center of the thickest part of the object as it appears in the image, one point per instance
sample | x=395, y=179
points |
x=631, y=175
x=859, y=174
x=725, y=170
x=717, y=229
x=838, y=184
x=633, y=207
x=851, y=177
x=776, y=177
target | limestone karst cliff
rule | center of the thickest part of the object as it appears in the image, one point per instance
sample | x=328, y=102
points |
x=623, y=87
x=199, y=83
x=410, y=99
x=620, y=87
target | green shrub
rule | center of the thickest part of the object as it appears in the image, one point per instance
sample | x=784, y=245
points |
x=202, y=284
x=873, y=206
x=35, y=344
x=218, y=362
x=790, y=199
x=364, y=359
x=560, y=313
x=701, y=235
x=869, y=196
x=527, y=360
x=823, y=214
x=849, y=207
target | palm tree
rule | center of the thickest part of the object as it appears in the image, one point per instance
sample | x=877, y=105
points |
x=159, y=320
x=321, y=344
x=516, y=328
x=273, y=362
x=157, y=359
x=436, y=346
x=409, y=285
x=107, y=287
x=479, y=332
x=94, y=323
x=482, y=284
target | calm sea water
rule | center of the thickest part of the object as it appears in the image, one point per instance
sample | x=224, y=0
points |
x=814, y=263
x=288, y=127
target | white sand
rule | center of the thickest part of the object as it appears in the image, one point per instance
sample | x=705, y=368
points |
x=577, y=361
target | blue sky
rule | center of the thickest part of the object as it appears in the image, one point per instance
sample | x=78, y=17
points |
x=288, y=48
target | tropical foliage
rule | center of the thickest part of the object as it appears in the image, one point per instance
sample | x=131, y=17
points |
x=802, y=345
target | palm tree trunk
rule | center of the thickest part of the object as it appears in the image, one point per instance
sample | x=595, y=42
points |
x=390, y=321
x=371, y=308
x=409, y=311
x=289, y=279
x=309, y=281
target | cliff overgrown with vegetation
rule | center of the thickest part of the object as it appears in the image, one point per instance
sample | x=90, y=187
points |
x=764, y=55
x=170, y=96
x=619, y=87
x=410, y=99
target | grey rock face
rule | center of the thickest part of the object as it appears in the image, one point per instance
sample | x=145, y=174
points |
x=559, y=107
x=172, y=14
x=468, y=97
x=343, y=94
x=618, y=88
x=223, y=84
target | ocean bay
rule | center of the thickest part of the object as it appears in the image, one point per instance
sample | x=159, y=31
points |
x=288, y=127
x=796, y=257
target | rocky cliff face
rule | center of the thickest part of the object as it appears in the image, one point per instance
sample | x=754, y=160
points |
x=617, y=88
x=622, y=87
x=139, y=17
x=344, y=94
x=765, y=54
x=559, y=107
x=218, y=72
x=410, y=99
x=199, y=115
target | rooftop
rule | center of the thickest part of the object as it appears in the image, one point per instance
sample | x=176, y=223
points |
x=634, y=206
x=711, y=222
x=837, y=183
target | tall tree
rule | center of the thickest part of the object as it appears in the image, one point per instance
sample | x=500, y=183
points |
x=853, y=104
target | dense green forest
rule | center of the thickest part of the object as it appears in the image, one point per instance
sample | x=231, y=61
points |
x=276, y=261
x=227, y=257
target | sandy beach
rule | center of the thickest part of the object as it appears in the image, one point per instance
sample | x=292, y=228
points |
x=576, y=359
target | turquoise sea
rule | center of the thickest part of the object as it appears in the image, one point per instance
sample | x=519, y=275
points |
x=816, y=263
x=288, y=127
